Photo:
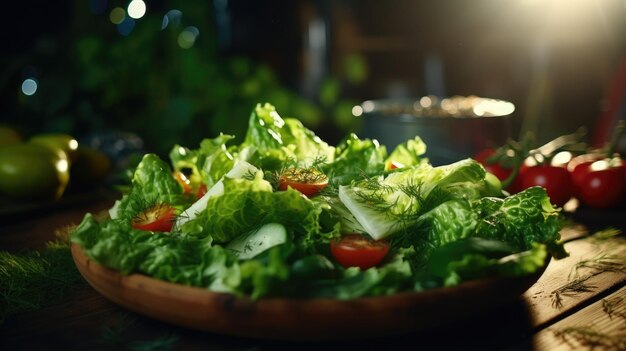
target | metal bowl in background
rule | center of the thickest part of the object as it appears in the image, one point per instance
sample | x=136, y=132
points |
x=453, y=128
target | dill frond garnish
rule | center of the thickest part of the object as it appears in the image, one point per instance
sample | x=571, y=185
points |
x=571, y=289
x=605, y=235
x=600, y=263
x=34, y=279
x=609, y=306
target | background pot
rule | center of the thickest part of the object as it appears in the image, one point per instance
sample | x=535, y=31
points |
x=453, y=128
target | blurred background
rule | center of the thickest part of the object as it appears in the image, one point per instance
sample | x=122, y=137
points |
x=177, y=71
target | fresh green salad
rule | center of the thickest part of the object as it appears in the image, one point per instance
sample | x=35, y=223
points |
x=285, y=214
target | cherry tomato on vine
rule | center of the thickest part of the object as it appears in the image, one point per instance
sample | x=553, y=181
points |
x=501, y=172
x=556, y=181
x=598, y=182
x=494, y=168
x=157, y=218
x=307, y=181
x=356, y=250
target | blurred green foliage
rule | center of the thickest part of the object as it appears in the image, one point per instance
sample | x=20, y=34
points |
x=92, y=78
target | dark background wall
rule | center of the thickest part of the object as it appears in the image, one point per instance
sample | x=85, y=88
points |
x=555, y=60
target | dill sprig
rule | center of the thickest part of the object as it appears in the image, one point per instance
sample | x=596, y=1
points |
x=589, y=337
x=605, y=235
x=600, y=263
x=571, y=289
x=34, y=279
x=609, y=306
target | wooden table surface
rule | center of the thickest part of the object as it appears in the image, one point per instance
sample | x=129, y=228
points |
x=579, y=303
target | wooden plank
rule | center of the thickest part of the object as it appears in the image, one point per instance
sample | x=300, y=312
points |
x=593, y=266
x=600, y=326
x=573, y=232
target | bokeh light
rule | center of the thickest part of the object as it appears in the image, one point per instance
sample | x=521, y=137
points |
x=29, y=86
x=117, y=15
x=136, y=9
x=187, y=37
x=357, y=111
x=171, y=17
x=126, y=26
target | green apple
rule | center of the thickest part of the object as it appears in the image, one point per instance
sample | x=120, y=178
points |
x=58, y=142
x=32, y=172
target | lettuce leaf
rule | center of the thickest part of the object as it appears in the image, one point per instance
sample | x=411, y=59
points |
x=152, y=183
x=355, y=158
x=247, y=204
x=522, y=219
x=277, y=140
x=385, y=205
x=474, y=258
x=408, y=154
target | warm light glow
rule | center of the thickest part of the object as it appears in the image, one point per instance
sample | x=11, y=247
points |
x=117, y=15
x=62, y=165
x=599, y=165
x=561, y=158
x=136, y=9
x=29, y=87
x=490, y=107
x=357, y=111
x=426, y=101
x=73, y=144
x=368, y=106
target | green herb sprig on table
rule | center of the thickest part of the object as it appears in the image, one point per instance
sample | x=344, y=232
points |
x=31, y=280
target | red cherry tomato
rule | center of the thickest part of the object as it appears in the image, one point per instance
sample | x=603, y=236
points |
x=183, y=181
x=201, y=191
x=307, y=181
x=556, y=181
x=598, y=182
x=493, y=168
x=157, y=218
x=501, y=172
x=356, y=250
x=393, y=165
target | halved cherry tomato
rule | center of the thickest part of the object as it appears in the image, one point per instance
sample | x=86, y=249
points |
x=356, y=250
x=157, y=218
x=183, y=181
x=556, y=181
x=307, y=181
x=391, y=165
x=201, y=191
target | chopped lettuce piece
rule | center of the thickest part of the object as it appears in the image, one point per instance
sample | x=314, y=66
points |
x=152, y=183
x=408, y=154
x=385, y=205
x=354, y=158
x=522, y=219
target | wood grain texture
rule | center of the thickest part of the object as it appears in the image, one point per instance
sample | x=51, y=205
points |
x=298, y=319
x=542, y=296
x=595, y=327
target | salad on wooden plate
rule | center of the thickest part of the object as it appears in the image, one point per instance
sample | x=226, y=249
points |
x=284, y=219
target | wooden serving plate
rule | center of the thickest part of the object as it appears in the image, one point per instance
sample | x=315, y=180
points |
x=298, y=319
